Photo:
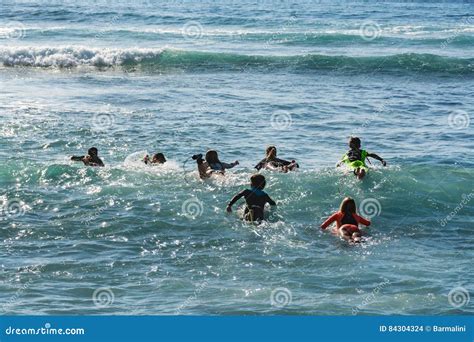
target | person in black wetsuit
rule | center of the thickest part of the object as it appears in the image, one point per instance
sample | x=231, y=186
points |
x=211, y=164
x=92, y=158
x=255, y=198
x=271, y=162
x=158, y=158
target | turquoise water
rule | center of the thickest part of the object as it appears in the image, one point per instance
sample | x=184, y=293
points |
x=182, y=77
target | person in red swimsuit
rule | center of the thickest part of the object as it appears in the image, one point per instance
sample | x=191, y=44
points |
x=347, y=221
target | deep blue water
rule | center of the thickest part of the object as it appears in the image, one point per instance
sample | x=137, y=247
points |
x=182, y=77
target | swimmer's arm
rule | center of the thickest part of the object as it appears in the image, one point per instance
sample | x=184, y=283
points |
x=329, y=220
x=375, y=156
x=77, y=158
x=260, y=165
x=235, y=199
x=270, y=201
x=362, y=220
x=100, y=162
x=339, y=163
x=230, y=165
x=204, y=170
x=269, y=166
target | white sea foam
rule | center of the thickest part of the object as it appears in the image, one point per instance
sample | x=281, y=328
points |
x=72, y=56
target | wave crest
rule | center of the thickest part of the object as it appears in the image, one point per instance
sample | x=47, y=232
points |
x=169, y=59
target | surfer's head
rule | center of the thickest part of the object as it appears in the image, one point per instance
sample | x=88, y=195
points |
x=158, y=158
x=271, y=152
x=212, y=157
x=348, y=206
x=93, y=152
x=354, y=142
x=258, y=181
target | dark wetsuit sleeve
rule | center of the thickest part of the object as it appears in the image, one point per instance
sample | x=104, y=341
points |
x=270, y=201
x=100, y=162
x=237, y=197
x=77, y=158
x=227, y=165
x=260, y=164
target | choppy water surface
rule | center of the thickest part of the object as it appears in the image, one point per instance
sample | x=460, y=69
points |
x=181, y=77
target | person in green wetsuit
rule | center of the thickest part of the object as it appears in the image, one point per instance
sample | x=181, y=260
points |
x=355, y=158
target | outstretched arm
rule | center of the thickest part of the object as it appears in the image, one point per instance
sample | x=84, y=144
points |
x=270, y=201
x=339, y=163
x=375, y=156
x=77, y=158
x=230, y=165
x=362, y=220
x=235, y=199
x=328, y=221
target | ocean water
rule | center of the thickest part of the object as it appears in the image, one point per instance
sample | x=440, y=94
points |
x=182, y=77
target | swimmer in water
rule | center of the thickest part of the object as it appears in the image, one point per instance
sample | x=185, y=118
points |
x=347, y=221
x=158, y=158
x=271, y=162
x=355, y=158
x=255, y=198
x=211, y=164
x=92, y=158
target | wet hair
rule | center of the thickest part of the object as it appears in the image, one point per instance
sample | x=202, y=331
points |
x=160, y=157
x=348, y=206
x=354, y=141
x=93, y=151
x=258, y=181
x=271, y=152
x=212, y=157
x=269, y=148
